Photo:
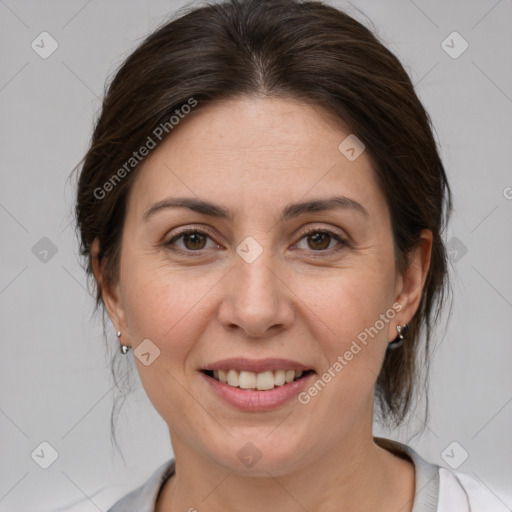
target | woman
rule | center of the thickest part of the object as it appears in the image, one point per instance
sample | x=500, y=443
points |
x=262, y=209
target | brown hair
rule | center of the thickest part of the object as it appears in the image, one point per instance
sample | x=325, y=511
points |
x=284, y=49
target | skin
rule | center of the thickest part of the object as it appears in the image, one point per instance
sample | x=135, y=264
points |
x=300, y=299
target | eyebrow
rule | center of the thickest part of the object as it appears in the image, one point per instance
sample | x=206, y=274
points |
x=290, y=211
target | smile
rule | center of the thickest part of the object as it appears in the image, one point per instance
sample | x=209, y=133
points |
x=256, y=384
x=251, y=380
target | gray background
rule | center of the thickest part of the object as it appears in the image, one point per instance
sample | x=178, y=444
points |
x=54, y=369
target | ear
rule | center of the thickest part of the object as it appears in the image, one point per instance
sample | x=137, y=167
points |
x=110, y=292
x=410, y=284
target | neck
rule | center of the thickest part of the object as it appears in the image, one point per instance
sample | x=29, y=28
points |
x=358, y=475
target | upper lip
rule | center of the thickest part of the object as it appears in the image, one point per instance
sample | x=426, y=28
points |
x=256, y=365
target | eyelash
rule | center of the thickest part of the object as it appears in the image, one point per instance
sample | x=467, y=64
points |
x=343, y=242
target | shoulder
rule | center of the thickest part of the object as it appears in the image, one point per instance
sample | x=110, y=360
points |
x=439, y=489
x=453, y=490
x=458, y=490
x=143, y=498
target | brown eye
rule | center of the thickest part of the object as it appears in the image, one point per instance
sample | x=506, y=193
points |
x=192, y=241
x=319, y=241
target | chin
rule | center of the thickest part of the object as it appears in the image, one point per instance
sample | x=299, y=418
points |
x=259, y=457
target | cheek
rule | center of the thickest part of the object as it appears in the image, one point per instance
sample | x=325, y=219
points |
x=353, y=341
x=165, y=306
x=167, y=309
x=349, y=303
x=352, y=318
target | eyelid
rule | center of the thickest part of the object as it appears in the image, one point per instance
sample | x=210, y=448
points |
x=186, y=231
x=322, y=229
x=342, y=239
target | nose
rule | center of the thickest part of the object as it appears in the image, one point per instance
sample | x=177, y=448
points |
x=257, y=299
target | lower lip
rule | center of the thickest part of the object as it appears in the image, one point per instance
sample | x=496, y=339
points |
x=254, y=400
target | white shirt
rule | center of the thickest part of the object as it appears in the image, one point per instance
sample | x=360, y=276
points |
x=437, y=489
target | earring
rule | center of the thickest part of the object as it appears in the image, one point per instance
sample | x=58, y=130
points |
x=399, y=340
x=124, y=348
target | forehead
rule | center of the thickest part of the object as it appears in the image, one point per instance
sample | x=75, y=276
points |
x=255, y=153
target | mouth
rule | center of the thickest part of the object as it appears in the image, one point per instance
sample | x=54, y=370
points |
x=256, y=385
x=261, y=381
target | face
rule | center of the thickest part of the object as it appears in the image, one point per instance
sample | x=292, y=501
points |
x=264, y=283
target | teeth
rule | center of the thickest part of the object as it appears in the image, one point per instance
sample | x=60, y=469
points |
x=223, y=376
x=265, y=381
x=279, y=377
x=246, y=380
x=233, y=378
x=260, y=381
